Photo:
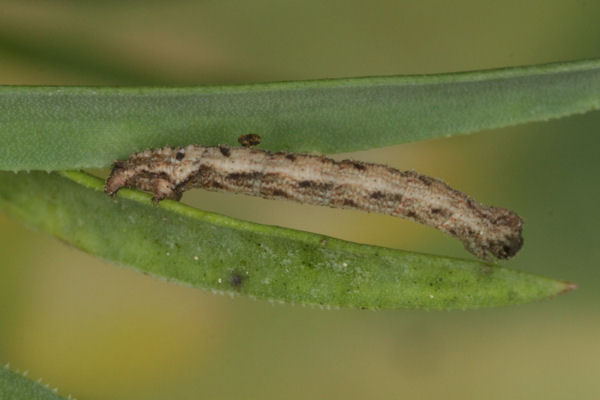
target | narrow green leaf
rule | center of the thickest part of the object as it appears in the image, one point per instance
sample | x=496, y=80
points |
x=215, y=252
x=56, y=128
x=14, y=386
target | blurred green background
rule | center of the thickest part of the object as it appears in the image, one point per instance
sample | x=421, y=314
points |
x=98, y=331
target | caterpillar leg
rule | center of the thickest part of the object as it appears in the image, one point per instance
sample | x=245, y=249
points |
x=122, y=176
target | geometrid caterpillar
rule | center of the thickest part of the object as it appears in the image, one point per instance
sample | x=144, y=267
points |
x=312, y=179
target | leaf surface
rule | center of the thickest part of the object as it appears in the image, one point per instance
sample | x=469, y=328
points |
x=222, y=254
x=58, y=128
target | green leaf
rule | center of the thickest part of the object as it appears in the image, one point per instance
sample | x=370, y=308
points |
x=215, y=252
x=56, y=128
x=14, y=386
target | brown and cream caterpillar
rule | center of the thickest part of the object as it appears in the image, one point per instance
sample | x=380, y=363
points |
x=312, y=179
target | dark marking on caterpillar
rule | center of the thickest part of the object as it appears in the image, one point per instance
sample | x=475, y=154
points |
x=225, y=151
x=249, y=140
x=244, y=176
x=273, y=192
x=349, y=203
x=425, y=179
x=316, y=185
x=279, y=193
x=358, y=165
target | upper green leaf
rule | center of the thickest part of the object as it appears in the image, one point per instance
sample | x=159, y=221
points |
x=215, y=252
x=54, y=128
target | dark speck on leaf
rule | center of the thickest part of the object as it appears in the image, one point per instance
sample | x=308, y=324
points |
x=236, y=279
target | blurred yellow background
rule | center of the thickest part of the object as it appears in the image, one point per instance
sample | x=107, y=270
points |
x=98, y=331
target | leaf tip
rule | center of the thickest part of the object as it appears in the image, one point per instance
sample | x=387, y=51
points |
x=568, y=287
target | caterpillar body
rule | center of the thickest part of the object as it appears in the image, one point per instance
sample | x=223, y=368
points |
x=169, y=171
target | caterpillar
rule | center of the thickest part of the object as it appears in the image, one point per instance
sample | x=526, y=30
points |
x=169, y=171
